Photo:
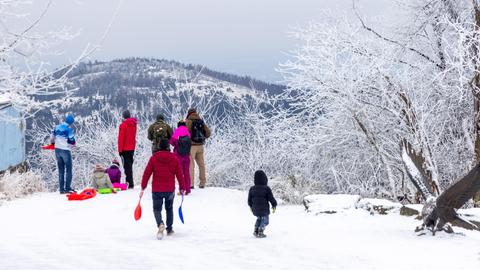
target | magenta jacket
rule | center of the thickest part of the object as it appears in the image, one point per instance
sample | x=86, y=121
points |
x=114, y=173
x=179, y=132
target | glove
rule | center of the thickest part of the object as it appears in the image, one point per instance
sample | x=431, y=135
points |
x=273, y=210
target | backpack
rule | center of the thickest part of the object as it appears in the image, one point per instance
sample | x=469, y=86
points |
x=160, y=131
x=198, y=131
x=184, y=145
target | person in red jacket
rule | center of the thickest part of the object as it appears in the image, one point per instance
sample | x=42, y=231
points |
x=126, y=144
x=164, y=166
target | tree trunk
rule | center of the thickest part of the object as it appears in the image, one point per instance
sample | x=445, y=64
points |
x=373, y=142
x=424, y=155
x=476, y=93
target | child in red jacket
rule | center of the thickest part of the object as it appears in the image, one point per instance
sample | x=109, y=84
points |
x=164, y=166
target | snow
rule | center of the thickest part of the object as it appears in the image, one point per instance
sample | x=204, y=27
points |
x=4, y=99
x=378, y=205
x=45, y=231
x=327, y=203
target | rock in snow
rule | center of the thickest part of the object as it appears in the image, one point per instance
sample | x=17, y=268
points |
x=330, y=204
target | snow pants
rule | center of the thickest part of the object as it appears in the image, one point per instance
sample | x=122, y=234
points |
x=197, y=155
x=185, y=165
x=158, y=198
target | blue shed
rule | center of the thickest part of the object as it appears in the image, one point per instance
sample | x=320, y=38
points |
x=12, y=136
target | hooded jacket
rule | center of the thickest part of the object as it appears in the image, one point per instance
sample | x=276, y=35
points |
x=63, y=137
x=114, y=173
x=101, y=180
x=260, y=195
x=194, y=116
x=179, y=132
x=164, y=166
x=127, y=135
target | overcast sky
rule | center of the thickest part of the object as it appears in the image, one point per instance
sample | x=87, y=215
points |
x=245, y=37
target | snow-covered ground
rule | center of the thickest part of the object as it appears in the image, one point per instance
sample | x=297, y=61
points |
x=46, y=231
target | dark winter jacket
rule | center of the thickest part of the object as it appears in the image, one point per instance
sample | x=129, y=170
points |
x=114, y=173
x=151, y=132
x=127, y=135
x=260, y=194
x=194, y=116
x=164, y=166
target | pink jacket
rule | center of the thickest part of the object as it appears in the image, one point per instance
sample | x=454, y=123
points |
x=179, y=132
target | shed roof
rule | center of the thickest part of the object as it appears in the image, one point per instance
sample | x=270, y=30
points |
x=5, y=102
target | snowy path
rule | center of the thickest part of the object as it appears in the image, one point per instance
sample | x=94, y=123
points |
x=46, y=231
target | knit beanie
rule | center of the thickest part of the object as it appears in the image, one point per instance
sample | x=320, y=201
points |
x=165, y=145
x=126, y=114
x=69, y=119
x=99, y=168
x=160, y=117
x=181, y=123
x=190, y=111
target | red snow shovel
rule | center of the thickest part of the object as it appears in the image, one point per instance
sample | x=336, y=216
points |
x=138, y=210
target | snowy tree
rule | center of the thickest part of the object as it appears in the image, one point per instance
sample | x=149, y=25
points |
x=369, y=88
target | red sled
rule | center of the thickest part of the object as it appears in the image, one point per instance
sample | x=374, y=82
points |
x=49, y=147
x=84, y=195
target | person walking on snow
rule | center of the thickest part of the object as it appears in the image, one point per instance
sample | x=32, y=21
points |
x=157, y=131
x=181, y=147
x=114, y=172
x=164, y=166
x=126, y=144
x=259, y=196
x=199, y=132
x=63, y=138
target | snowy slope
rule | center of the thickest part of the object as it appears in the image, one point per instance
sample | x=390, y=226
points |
x=48, y=232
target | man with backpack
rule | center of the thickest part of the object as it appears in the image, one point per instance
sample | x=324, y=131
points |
x=157, y=131
x=182, y=145
x=199, y=132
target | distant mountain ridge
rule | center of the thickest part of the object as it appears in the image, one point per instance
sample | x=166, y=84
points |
x=151, y=86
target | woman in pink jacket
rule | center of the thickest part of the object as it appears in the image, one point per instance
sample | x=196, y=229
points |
x=181, y=141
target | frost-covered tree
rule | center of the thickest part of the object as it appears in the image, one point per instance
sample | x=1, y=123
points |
x=24, y=75
x=369, y=87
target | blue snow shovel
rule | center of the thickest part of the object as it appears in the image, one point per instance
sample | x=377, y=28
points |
x=180, y=212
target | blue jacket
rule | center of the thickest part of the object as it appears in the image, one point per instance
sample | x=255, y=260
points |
x=63, y=137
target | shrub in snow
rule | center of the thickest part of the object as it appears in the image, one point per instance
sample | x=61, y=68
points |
x=293, y=189
x=17, y=185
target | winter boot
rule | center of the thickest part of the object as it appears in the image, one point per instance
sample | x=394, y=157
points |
x=170, y=232
x=255, y=232
x=260, y=234
x=161, y=228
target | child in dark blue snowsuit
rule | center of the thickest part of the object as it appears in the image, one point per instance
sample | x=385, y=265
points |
x=258, y=198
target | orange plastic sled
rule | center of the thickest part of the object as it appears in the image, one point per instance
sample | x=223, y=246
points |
x=84, y=195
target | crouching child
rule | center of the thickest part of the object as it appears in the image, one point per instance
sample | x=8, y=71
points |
x=259, y=197
x=101, y=181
